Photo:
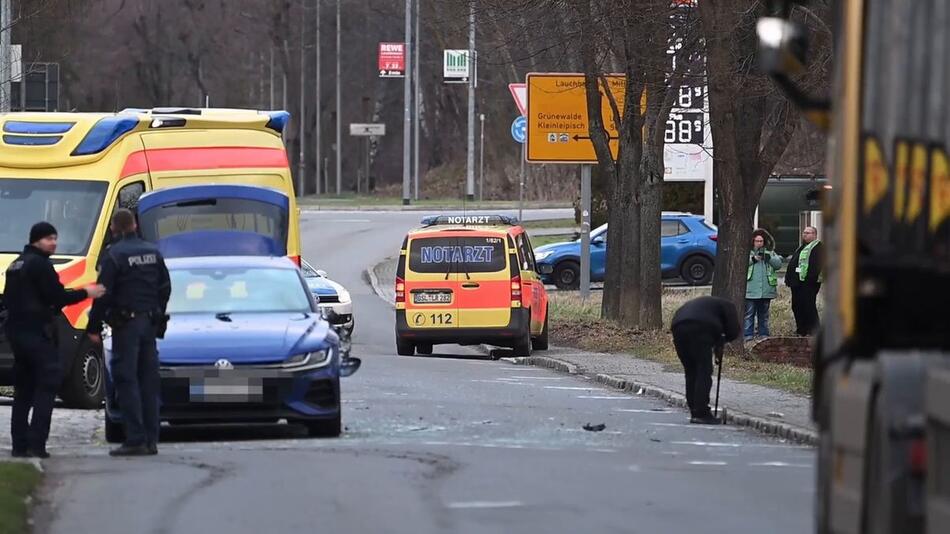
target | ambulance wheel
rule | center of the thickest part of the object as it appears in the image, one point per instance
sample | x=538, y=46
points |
x=84, y=386
x=115, y=432
x=523, y=345
x=541, y=342
x=405, y=348
x=424, y=349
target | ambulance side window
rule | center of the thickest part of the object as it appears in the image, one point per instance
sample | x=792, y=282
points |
x=127, y=198
x=525, y=256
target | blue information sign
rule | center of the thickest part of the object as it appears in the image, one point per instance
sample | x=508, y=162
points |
x=519, y=129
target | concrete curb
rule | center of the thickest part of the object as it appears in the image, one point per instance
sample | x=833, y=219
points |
x=759, y=424
x=736, y=418
x=374, y=281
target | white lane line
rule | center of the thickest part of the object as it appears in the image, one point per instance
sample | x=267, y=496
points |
x=641, y=410
x=736, y=445
x=698, y=427
x=601, y=397
x=468, y=505
x=535, y=378
x=569, y=388
x=500, y=381
x=706, y=462
x=777, y=464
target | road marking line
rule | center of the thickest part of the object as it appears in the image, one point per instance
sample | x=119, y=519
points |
x=698, y=427
x=569, y=388
x=706, y=462
x=777, y=464
x=535, y=378
x=602, y=397
x=641, y=410
x=484, y=504
x=735, y=445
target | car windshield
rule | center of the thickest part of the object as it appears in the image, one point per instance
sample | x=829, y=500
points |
x=236, y=290
x=72, y=206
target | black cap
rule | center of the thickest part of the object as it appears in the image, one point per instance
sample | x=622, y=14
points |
x=41, y=230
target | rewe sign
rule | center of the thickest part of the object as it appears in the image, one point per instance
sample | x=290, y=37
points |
x=392, y=60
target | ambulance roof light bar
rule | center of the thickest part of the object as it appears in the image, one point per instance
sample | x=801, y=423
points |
x=470, y=220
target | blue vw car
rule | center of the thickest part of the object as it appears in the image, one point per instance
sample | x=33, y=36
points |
x=687, y=250
x=246, y=343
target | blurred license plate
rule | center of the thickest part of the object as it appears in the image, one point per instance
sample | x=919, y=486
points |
x=231, y=389
x=431, y=298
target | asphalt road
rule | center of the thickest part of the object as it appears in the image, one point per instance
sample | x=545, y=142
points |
x=450, y=443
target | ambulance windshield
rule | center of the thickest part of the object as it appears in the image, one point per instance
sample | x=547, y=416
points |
x=72, y=206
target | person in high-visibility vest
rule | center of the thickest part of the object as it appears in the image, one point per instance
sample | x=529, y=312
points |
x=804, y=279
x=761, y=284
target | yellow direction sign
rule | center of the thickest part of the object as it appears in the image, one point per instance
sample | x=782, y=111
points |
x=558, y=129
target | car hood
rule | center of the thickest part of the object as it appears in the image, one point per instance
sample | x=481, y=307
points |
x=322, y=286
x=259, y=338
x=558, y=247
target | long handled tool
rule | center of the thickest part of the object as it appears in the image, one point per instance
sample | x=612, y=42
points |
x=718, y=379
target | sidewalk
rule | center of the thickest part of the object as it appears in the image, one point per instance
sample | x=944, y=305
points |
x=768, y=410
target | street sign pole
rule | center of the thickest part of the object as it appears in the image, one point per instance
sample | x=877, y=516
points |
x=407, y=112
x=521, y=183
x=585, y=232
x=470, y=160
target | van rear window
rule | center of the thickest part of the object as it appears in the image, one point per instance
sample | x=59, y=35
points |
x=457, y=255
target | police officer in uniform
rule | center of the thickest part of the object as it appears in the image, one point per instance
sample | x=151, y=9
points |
x=803, y=277
x=700, y=327
x=34, y=297
x=134, y=274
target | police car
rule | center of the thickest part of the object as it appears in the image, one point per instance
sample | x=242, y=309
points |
x=246, y=343
x=332, y=295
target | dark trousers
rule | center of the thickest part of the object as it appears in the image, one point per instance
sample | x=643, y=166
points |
x=135, y=373
x=694, y=342
x=37, y=375
x=805, y=308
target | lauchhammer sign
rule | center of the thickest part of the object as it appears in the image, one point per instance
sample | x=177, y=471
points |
x=558, y=127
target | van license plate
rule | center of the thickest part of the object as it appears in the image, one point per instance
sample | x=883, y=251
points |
x=431, y=298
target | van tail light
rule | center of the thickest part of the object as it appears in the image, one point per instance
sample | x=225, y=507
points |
x=918, y=456
x=400, y=290
x=714, y=237
x=516, y=288
x=296, y=260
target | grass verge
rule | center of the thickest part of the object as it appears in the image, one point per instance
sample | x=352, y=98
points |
x=17, y=482
x=578, y=324
x=549, y=223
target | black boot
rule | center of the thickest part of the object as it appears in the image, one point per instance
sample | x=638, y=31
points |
x=705, y=417
x=130, y=450
x=152, y=449
x=38, y=453
x=20, y=453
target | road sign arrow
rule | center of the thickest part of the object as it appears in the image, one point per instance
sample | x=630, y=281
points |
x=579, y=137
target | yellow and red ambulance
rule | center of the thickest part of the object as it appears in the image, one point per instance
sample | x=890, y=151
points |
x=467, y=280
x=74, y=169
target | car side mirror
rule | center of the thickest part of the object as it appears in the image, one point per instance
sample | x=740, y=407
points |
x=322, y=273
x=349, y=366
x=599, y=241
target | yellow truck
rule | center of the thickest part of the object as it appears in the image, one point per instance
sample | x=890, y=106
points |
x=74, y=169
x=882, y=370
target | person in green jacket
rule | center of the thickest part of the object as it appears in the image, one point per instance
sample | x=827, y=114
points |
x=761, y=283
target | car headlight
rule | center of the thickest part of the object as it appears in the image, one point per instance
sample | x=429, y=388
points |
x=538, y=256
x=307, y=358
x=344, y=296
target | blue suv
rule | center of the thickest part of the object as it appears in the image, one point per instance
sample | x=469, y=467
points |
x=687, y=250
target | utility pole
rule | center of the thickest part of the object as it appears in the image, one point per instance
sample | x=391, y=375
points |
x=407, y=108
x=470, y=158
x=318, y=161
x=6, y=72
x=481, y=160
x=301, y=168
x=339, y=107
x=418, y=106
